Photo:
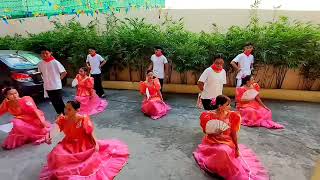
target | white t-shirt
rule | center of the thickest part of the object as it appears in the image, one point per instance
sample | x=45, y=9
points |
x=51, y=72
x=213, y=83
x=158, y=65
x=95, y=62
x=244, y=63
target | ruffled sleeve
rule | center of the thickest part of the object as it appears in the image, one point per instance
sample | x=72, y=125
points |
x=204, y=118
x=60, y=122
x=87, y=124
x=3, y=107
x=28, y=104
x=89, y=83
x=239, y=93
x=143, y=87
x=157, y=84
x=78, y=78
x=235, y=119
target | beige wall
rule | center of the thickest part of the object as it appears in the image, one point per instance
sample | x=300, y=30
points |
x=195, y=20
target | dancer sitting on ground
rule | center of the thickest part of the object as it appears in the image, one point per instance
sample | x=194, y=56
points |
x=29, y=123
x=219, y=152
x=253, y=111
x=153, y=104
x=86, y=95
x=80, y=155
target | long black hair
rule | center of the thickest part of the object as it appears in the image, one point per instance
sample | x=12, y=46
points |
x=5, y=87
x=75, y=104
x=6, y=90
x=245, y=80
x=85, y=69
x=220, y=101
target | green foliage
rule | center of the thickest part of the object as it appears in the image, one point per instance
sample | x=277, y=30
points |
x=130, y=42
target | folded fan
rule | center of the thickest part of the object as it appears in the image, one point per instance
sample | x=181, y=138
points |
x=215, y=126
x=6, y=127
x=148, y=93
x=74, y=83
x=250, y=94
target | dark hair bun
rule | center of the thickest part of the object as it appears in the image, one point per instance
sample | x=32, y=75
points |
x=220, y=101
x=6, y=86
x=5, y=90
x=75, y=104
x=246, y=79
x=85, y=69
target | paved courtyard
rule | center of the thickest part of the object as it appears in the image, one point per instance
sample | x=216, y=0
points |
x=162, y=149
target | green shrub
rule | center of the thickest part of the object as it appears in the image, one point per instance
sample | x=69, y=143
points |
x=129, y=43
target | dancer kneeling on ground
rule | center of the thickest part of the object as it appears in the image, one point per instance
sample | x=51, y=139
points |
x=153, y=104
x=29, y=123
x=90, y=102
x=79, y=155
x=253, y=111
x=219, y=152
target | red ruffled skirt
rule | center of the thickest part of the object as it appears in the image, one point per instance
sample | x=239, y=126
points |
x=155, y=108
x=220, y=159
x=87, y=165
x=23, y=133
x=258, y=117
x=92, y=105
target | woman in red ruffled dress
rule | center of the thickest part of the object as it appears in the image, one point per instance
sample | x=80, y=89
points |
x=253, y=111
x=153, y=104
x=90, y=102
x=80, y=156
x=29, y=123
x=219, y=152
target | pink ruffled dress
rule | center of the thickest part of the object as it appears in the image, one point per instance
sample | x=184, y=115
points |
x=253, y=114
x=75, y=158
x=154, y=107
x=219, y=154
x=90, y=102
x=28, y=123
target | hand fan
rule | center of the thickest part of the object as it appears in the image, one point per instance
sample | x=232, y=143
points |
x=147, y=93
x=6, y=127
x=74, y=83
x=214, y=126
x=250, y=94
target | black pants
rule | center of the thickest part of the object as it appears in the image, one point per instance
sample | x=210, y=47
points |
x=206, y=103
x=161, y=84
x=55, y=97
x=98, y=84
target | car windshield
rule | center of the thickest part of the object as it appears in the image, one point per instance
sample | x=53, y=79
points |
x=33, y=58
x=17, y=62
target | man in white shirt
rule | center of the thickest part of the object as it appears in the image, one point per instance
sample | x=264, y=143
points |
x=211, y=82
x=95, y=62
x=52, y=72
x=243, y=63
x=159, y=65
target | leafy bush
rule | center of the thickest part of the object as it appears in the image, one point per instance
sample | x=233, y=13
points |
x=130, y=42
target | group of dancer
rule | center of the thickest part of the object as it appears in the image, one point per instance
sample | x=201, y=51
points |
x=81, y=156
x=219, y=153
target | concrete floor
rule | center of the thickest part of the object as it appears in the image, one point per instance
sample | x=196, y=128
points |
x=162, y=149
